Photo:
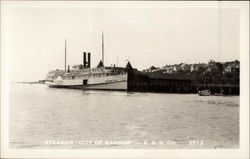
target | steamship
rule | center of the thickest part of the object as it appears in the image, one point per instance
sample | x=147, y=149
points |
x=85, y=77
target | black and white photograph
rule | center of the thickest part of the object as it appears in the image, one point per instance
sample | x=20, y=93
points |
x=146, y=76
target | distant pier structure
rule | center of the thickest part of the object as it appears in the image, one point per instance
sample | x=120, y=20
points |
x=172, y=83
x=157, y=82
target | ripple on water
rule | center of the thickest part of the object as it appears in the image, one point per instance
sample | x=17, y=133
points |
x=39, y=113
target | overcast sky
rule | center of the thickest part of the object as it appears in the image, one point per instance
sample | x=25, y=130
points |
x=34, y=37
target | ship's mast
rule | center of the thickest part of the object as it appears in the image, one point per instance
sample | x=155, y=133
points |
x=65, y=58
x=103, y=48
x=117, y=61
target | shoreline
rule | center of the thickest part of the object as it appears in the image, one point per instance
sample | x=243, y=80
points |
x=39, y=82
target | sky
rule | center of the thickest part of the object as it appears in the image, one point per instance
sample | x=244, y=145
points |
x=34, y=36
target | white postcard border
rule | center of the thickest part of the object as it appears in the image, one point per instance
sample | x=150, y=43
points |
x=242, y=152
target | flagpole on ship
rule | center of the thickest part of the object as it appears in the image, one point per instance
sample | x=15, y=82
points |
x=103, y=48
x=65, y=58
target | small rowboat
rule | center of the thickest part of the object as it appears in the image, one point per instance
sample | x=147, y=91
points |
x=205, y=92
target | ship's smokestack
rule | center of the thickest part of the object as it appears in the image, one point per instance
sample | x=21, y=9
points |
x=89, y=60
x=68, y=68
x=84, y=60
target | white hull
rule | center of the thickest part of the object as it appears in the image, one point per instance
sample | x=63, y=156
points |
x=118, y=82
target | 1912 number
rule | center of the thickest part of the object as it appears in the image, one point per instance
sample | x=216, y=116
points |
x=196, y=142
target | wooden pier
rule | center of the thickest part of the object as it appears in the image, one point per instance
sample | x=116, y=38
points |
x=173, y=83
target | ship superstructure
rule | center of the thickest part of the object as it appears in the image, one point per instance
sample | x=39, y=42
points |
x=112, y=78
x=85, y=77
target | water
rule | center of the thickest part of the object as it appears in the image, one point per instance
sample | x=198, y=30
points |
x=42, y=117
